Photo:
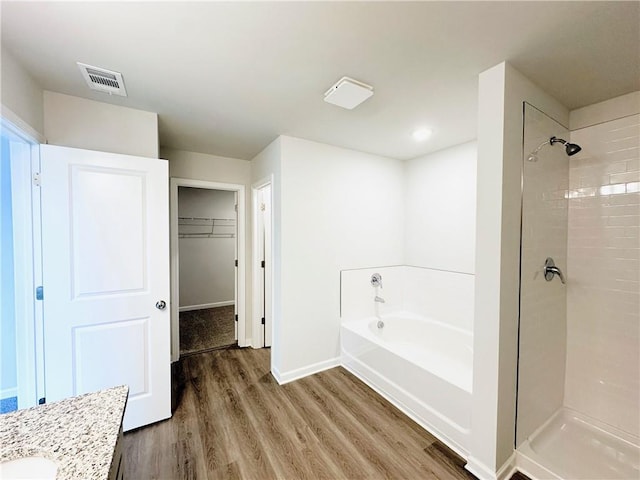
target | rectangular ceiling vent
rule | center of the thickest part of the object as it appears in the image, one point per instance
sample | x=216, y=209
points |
x=103, y=80
x=348, y=93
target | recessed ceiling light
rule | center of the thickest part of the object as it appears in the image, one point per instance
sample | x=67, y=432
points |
x=421, y=134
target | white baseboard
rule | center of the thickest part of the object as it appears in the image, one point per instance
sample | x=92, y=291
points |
x=508, y=469
x=9, y=392
x=483, y=472
x=479, y=469
x=298, y=373
x=189, y=308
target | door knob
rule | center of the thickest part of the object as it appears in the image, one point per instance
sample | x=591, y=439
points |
x=161, y=304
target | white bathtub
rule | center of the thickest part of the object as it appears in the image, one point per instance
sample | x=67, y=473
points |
x=422, y=366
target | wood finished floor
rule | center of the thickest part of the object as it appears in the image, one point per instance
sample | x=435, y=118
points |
x=234, y=421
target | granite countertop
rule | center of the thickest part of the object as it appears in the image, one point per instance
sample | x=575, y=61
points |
x=78, y=433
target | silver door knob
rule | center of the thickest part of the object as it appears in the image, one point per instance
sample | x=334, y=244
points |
x=161, y=304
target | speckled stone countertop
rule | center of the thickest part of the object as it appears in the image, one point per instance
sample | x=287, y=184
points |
x=78, y=433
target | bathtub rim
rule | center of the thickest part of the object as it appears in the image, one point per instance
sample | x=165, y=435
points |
x=349, y=322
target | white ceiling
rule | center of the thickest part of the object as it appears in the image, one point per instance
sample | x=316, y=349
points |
x=228, y=78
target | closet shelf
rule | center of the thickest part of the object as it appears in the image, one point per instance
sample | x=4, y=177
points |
x=205, y=227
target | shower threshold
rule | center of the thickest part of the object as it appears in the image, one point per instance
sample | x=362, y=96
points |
x=572, y=446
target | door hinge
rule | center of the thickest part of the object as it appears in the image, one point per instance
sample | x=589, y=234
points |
x=236, y=316
x=42, y=401
x=40, y=293
x=235, y=207
x=262, y=263
x=36, y=179
x=263, y=207
x=236, y=263
x=262, y=320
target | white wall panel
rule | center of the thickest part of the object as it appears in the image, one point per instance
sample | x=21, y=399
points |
x=440, y=209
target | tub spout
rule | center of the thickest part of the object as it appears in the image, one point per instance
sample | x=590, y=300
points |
x=378, y=299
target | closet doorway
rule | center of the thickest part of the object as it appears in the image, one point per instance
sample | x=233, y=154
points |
x=207, y=263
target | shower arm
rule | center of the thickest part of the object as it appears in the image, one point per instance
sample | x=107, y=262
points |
x=548, y=142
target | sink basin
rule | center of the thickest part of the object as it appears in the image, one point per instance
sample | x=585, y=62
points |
x=28, y=467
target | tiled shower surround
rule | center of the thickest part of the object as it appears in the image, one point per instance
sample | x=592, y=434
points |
x=542, y=304
x=603, y=291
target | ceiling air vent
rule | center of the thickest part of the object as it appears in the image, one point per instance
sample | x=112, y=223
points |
x=103, y=80
x=348, y=93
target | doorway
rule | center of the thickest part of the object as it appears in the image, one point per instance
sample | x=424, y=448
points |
x=263, y=263
x=207, y=253
x=21, y=365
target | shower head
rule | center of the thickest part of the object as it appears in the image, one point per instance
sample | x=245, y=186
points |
x=570, y=148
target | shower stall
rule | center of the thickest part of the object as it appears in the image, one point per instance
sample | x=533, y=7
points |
x=578, y=400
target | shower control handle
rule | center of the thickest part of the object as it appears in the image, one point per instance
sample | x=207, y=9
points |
x=376, y=280
x=550, y=271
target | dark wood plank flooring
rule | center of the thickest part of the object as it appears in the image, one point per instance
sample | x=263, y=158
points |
x=234, y=421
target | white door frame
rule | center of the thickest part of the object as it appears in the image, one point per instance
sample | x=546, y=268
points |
x=175, y=265
x=25, y=159
x=257, y=340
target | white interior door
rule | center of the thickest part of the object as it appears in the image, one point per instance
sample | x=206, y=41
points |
x=268, y=283
x=105, y=241
x=235, y=271
x=267, y=264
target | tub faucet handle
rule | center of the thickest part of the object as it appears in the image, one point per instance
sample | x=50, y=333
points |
x=376, y=280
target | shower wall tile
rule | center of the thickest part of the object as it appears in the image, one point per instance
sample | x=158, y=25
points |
x=603, y=262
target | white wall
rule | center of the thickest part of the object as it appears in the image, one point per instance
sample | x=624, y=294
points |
x=21, y=97
x=80, y=123
x=268, y=164
x=212, y=168
x=502, y=91
x=340, y=209
x=207, y=271
x=603, y=296
x=440, y=209
x=618, y=107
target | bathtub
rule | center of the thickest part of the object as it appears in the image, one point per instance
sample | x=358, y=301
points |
x=422, y=366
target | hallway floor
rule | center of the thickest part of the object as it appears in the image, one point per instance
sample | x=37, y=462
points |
x=234, y=421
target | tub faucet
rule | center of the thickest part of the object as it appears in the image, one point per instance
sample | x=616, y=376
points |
x=378, y=299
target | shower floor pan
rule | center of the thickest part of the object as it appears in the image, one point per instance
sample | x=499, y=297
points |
x=571, y=446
